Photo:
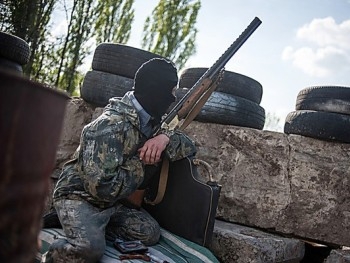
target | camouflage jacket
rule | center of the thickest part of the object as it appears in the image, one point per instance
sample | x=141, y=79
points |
x=106, y=167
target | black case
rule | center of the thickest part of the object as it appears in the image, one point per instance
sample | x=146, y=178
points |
x=188, y=208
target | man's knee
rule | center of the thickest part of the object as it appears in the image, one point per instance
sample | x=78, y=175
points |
x=132, y=224
x=150, y=235
x=148, y=231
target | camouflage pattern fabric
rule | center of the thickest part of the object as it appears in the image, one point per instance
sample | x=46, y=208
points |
x=85, y=225
x=105, y=169
x=133, y=224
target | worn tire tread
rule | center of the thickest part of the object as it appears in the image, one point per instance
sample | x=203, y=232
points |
x=319, y=124
x=232, y=83
x=98, y=87
x=324, y=98
x=14, y=48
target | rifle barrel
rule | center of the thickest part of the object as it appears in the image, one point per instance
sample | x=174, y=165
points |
x=221, y=62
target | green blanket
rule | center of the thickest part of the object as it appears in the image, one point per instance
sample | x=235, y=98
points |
x=170, y=248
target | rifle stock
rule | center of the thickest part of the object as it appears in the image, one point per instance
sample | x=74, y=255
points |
x=192, y=102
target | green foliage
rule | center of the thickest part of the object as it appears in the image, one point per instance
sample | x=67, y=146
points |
x=46, y=60
x=171, y=31
x=56, y=59
x=5, y=19
x=112, y=22
x=114, y=19
x=73, y=51
x=28, y=20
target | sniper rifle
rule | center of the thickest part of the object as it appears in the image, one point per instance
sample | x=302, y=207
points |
x=192, y=102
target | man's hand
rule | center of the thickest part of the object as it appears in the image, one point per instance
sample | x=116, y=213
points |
x=151, y=151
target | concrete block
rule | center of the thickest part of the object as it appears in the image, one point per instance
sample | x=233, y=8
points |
x=240, y=244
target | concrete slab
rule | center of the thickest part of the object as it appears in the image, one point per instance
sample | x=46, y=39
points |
x=240, y=244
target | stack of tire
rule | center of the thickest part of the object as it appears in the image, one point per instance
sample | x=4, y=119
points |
x=14, y=53
x=322, y=112
x=236, y=100
x=113, y=70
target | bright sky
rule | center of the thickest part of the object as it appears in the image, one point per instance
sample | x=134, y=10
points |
x=300, y=43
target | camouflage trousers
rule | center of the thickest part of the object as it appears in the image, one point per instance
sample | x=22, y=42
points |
x=87, y=227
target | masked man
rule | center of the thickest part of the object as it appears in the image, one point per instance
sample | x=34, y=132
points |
x=116, y=155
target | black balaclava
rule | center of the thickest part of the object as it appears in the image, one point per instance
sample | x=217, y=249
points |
x=153, y=85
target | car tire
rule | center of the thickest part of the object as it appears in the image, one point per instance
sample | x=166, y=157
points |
x=319, y=124
x=232, y=83
x=120, y=59
x=227, y=109
x=14, y=48
x=324, y=98
x=98, y=87
x=9, y=65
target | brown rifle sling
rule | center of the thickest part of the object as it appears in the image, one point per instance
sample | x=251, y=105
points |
x=163, y=178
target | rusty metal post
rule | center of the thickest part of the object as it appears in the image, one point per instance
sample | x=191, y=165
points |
x=31, y=118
